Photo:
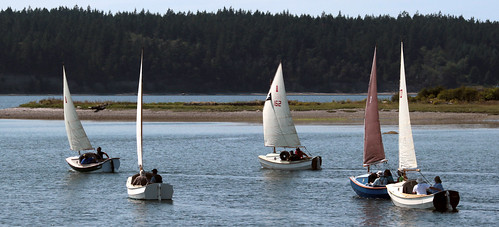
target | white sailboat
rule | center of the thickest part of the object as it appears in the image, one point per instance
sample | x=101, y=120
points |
x=152, y=191
x=401, y=193
x=279, y=131
x=78, y=140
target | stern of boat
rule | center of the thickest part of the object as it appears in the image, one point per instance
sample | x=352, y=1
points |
x=446, y=200
x=156, y=191
x=111, y=165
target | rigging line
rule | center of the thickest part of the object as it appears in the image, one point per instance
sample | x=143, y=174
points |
x=307, y=150
x=424, y=177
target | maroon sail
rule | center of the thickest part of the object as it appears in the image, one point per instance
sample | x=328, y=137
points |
x=373, y=145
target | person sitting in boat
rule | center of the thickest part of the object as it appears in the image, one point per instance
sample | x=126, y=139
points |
x=437, y=186
x=100, y=154
x=389, y=177
x=87, y=158
x=384, y=178
x=421, y=187
x=156, y=178
x=381, y=180
x=299, y=155
x=402, y=176
x=372, y=177
x=141, y=179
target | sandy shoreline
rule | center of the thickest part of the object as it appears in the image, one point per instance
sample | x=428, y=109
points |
x=300, y=117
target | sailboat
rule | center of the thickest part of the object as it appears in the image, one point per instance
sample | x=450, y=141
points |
x=279, y=131
x=152, y=191
x=401, y=193
x=373, y=145
x=78, y=140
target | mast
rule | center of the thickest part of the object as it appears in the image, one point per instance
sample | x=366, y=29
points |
x=139, y=115
x=407, y=154
x=373, y=143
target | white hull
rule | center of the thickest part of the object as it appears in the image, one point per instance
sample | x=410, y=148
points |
x=156, y=191
x=111, y=165
x=408, y=200
x=273, y=161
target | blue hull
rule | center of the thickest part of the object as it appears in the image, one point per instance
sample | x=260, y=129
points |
x=367, y=191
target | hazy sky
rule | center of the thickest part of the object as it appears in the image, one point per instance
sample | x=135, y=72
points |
x=479, y=9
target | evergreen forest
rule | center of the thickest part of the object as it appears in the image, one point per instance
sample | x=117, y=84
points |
x=238, y=51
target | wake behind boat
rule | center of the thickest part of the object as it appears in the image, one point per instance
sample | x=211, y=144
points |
x=78, y=140
x=279, y=131
x=401, y=193
x=373, y=145
x=148, y=191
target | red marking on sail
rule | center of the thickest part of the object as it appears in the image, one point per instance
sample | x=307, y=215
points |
x=65, y=99
x=277, y=88
x=401, y=93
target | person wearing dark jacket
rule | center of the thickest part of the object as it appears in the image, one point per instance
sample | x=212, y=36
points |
x=100, y=154
x=156, y=178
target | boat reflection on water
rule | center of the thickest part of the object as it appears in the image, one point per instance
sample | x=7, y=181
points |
x=381, y=212
x=73, y=180
x=278, y=180
x=373, y=212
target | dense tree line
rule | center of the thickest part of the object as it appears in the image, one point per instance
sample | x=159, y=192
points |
x=238, y=51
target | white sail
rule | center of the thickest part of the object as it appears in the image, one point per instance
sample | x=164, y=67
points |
x=139, y=116
x=77, y=137
x=278, y=127
x=407, y=154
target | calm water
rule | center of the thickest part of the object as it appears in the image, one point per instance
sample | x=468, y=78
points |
x=7, y=101
x=218, y=181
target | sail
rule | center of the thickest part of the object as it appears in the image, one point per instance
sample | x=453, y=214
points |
x=77, y=137
x=373, y=144
x=407, y=154
x=139, y=115
x=278, y=127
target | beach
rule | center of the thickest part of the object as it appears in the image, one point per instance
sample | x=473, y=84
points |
x=345, y=116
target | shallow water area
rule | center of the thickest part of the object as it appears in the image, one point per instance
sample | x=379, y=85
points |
x=218, y=180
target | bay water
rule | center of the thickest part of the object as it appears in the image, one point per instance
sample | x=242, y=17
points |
x=217, y=179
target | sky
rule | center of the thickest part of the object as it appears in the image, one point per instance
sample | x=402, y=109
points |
x=481, y=10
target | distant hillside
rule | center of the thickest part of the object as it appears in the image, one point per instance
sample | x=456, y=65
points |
x=239, y=51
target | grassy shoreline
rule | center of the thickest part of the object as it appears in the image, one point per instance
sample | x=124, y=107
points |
x=487, y=107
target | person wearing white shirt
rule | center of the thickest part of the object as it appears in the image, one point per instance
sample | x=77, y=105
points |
x=421, y=187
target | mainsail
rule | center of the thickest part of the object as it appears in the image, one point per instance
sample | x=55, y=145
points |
x=278, y=127
x=77, y=137
x=407, y=154
x=373, y=144
x=139, y=115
